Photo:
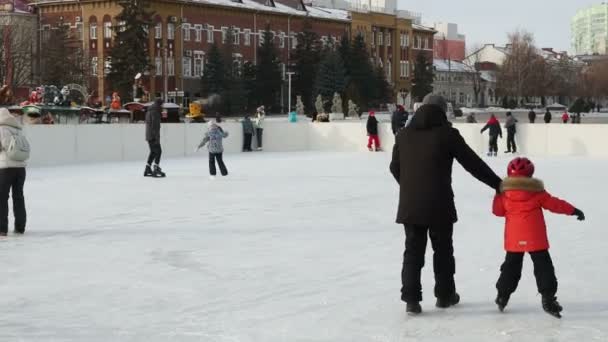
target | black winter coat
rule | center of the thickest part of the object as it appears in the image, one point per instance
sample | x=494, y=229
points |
x=548, y=117
x=422, y=165
x=398, y=120
x=372, y=125
x=494, y=128
x=532, y=115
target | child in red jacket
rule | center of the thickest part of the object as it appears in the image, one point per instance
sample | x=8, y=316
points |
x=521, y=202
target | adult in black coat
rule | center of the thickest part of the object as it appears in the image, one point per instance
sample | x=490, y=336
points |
x=532, y=116
x=399, y=119
x=548, y=116
x=153, y=115
x=422, y=161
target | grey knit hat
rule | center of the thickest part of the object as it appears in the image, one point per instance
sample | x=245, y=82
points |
x=437, y=100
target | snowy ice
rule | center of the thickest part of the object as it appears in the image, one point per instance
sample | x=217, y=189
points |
x=289, y=247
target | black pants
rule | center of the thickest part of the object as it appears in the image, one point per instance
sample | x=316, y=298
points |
x=511, y=147
x=493, y=143
x=532, y=120
x=12, y=181
x=220, y=162
x=155, y=152
x=259, y=132
x=444, y=264
x=247, y=142
x=510, y=273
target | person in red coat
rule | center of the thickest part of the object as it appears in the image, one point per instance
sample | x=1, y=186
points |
x=521, y=202
x=565, y=117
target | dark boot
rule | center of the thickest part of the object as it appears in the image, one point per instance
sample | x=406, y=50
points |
x=148, y=171
x=502, y=302
x=444, y=303
x=413, y=308
x=158, y=172
x=552, y=306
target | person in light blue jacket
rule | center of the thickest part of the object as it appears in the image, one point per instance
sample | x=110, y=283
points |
x=214, y=137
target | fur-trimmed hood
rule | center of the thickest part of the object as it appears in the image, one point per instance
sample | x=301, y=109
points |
x=521, y=188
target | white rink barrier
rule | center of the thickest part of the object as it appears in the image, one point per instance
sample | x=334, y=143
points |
x=67, y=144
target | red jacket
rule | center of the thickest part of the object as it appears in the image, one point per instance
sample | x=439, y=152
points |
x=521, y=202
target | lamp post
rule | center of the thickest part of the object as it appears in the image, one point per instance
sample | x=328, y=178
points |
x=289, y=91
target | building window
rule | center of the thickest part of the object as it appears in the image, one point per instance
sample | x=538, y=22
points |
x=426, y=43
x=282, y=40
x=186, y=32
x=224, y=34
x=463, y=98
x=294, y=41
x=158, y=65
x=210, y=34
x=198, y=33
x=170, y=66
x=122, y=26
x=380, y=38
x=94, y=65
x=324, y=41
x=158, y=31
x=187, y=67
x=170, y=31
x=93, y=31
x=261, y=37
x=389, y=71
x=247, y=37
x=388, y=39
x=236, y=36
x=407, y=40
x=79, y=31
x=107, y=30
x=107, y=66
x=199, y=63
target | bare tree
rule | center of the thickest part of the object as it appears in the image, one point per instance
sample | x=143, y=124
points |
x=515, y=77
x=474, y=74
x=17, y=47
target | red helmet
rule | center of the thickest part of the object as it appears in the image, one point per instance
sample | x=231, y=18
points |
x=520, y=167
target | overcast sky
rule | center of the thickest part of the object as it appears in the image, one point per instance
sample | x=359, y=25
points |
x=488, y=21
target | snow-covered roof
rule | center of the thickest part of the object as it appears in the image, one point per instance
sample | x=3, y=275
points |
x=312, y=11
x=453, y=66
x=423, y=28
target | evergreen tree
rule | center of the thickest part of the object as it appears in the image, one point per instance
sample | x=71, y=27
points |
x=361, y=74
x=129, y=54
x=383, y=90
x=248, y=75
x=63, y=60
x=332, y=75
x=268, y=78
x=306, y=62
x=423, y=77
x=344, y=50
x=214, y=76
x=233, y=92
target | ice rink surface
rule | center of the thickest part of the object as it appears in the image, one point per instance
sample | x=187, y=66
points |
x=298, y=247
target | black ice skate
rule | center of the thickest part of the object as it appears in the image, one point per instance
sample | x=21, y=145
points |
x=148, y=171
x=502, y=302
x=444, y=303
x=158, y=172
x=413, y=308
x=551, y=306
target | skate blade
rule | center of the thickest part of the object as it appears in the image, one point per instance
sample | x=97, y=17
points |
x=554, y=314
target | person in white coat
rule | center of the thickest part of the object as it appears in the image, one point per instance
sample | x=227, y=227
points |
x=259, y=125
x=14, y=151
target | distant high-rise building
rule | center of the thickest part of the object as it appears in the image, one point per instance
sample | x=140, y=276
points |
x=590, y=30
x=449, y=44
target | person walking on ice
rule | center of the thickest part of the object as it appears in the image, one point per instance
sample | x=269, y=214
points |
x=521, y=201
x=153, y=116
x=372, y=132
x=511, y=126
x=495, y=131
x=259, y=126
x=214, y=137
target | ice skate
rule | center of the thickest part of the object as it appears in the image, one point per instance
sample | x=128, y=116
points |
x=502, y=302
x=495, y=154
x=158, y=172
x=370, y=149
x=148, y=171
x=552, y=306
x=444, y=303
x=413, y=308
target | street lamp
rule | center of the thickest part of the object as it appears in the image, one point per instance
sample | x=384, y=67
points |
x=289, y=73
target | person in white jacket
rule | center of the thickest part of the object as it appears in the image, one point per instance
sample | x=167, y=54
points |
x=259, y=125
x=14, y=150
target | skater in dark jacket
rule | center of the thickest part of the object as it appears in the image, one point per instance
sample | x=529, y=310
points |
x=511, y=126
x=495, y=131
x=153, y=115
x=248, y=132
x=532, y=116
x=548, y=117
x=521, y=201
x=398, y=119
x=372, y=132
x=422, y=161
